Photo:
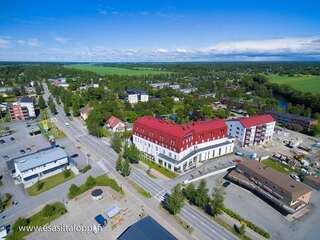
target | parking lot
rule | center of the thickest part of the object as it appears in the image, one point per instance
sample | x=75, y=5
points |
x=254, y=209
x=83, y=210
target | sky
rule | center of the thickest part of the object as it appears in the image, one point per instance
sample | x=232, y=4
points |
x=180, y=30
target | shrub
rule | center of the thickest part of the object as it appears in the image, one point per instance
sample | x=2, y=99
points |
x=74, y=190
x=90, y=182
x=67, y=173
x=85, y=168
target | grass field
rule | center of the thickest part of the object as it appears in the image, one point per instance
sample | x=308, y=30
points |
x=102, y=70
x=158, y=168
x=304, y=83
x=49, y=183
x=278, y=166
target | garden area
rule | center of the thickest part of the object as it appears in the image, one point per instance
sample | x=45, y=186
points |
x=50, y=182
x=49, y=213
x=279, y=166
x=160, y=169
x=91, y=182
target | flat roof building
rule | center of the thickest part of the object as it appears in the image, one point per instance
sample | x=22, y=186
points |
x=277, y=187
x=39, y=165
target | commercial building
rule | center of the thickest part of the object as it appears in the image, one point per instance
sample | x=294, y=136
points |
x=39, y=165
x=180, y=147
x=277, y=187
x=114, y=124
x=159, y=85
x=135, y=96
x=23, y=109
x=146, y=229
x=291, y=120
x=251, y=131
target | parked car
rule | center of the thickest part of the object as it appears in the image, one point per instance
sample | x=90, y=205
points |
x=67, y=124
x=12, y=139
x=101, y=220
x=2, y=141
x=22, y=151
x=29, y=149
x=239, y=153
x=295, y=177
x=75, y=155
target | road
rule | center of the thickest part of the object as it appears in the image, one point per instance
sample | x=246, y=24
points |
x=106, y=159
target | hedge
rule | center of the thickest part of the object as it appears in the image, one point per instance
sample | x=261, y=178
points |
x=248, y=223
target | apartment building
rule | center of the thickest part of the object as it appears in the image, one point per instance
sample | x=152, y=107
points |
x=180, y=147
x=253, y=130
x=23, y=109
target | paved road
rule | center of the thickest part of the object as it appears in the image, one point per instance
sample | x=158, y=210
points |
x=107, y=158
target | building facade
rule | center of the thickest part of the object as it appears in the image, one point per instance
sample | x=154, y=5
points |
x=23, y=109
x=39, y=165
x=291, y=120
x=114, y=124
x=181, y=147
x=277, y=187
x=251, y=131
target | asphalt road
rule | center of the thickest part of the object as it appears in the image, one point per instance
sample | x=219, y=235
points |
x=106, y=160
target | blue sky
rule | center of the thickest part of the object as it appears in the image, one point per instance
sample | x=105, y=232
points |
x=163, y=30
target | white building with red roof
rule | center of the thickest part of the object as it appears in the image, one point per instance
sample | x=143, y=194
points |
x=114, y=124
x=180, y=147
x=253, y=130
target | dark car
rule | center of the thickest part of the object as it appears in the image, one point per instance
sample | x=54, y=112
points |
x=29, y=149
x=22, y=151
x=226, y=184
x=75, y=155
x=2, y=141
x=12, y=139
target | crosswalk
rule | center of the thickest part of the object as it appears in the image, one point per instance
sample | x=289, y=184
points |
x=160, y=196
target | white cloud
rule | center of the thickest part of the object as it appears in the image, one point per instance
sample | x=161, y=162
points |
x=249, y=50
x=21, y=42
x=61, y=40
x=33, y=42
x=4, y=43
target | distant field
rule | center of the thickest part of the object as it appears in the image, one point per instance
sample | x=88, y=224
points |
x=304, y=83
x=102, y=70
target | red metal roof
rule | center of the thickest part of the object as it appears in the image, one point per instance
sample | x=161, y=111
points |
x=256, y=120
x=113, y=121
x=179, y=137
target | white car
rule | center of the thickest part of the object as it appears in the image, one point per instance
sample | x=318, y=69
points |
x=67, y=124
x=295, y=177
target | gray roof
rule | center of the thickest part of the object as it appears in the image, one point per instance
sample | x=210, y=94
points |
x=25, y=100
x=39, y=158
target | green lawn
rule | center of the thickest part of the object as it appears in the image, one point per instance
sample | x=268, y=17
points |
x=37, y=220
x=140, y=190
x=102, y=180
x=278, y=166
x=160, y=169
x=49, y=183
x=102, y=70
x=304, y=83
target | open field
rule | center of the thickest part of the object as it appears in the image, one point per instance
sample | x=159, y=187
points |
x=304, y=83
x=102, y=70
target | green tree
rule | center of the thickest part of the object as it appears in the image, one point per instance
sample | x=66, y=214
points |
x=116, y=143
x=175, y=201
x=67, y=173
x=74, y=190
x=126, y=169
x=41, y=102
x=76, y=106
x=131, y=153
x=48, y=211
x=90, y=182
x=119, y=164
x=206, y=111
x=20, y=222
x=201, y=197
x=52, y=106
x=190, y=193
x=216, y=203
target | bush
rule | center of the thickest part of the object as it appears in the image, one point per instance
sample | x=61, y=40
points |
x=90, y=182
x=67, y=173
x=247, y=223
x=85, y=169
x=74, y=190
